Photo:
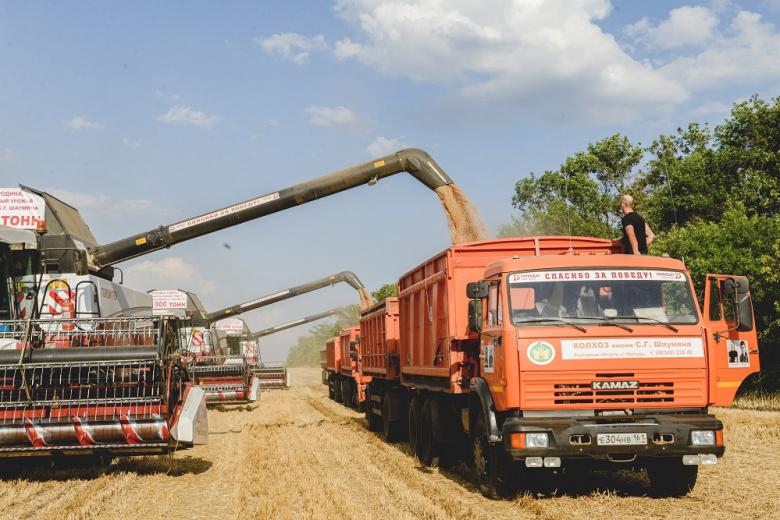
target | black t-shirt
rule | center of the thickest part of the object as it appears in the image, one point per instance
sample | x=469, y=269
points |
x=634, y=219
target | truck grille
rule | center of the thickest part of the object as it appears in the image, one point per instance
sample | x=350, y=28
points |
x=581, y=393
x=548, y=389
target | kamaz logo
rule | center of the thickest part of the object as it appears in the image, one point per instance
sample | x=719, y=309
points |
x=614, y=385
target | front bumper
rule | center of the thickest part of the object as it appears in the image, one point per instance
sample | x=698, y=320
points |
x=575, y=437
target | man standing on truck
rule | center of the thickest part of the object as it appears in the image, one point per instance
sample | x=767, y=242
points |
x=637, y=235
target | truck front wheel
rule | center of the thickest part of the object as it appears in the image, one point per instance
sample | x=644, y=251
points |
x=670, y=478
x=491, y=468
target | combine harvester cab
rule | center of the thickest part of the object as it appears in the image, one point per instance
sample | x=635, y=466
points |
x=99, y=386
x=224, y=373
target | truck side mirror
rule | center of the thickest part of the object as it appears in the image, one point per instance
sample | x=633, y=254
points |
x=736, y=292
x=475, y=315
x=477, y=290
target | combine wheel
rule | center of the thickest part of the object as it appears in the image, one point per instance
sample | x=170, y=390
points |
x=491, y=469
x=670, y=478
x=426, y=444
x=414, y=422
x=391, y=429
x=338, y=396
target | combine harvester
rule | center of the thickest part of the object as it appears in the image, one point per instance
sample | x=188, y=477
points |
x=542, y=353
x=274, y=375
x=222, y=357
x=56, y=279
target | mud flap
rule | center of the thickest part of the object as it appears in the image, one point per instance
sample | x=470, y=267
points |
x=192, y=427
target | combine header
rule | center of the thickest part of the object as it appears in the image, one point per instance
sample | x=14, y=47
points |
x=98, y=387
x=274, y=375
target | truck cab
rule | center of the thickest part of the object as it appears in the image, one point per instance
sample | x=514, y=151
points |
x=608, y=360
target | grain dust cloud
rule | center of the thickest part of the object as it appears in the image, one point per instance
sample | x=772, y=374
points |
x=366, y=300
x=463, y=219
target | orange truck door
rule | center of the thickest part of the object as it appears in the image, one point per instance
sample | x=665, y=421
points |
x=732, y=342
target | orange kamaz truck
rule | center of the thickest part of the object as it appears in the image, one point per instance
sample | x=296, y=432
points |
x=538, y=354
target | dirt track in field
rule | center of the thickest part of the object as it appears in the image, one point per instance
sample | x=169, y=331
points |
x=297, y=454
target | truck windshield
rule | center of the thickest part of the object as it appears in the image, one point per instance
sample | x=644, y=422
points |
x=608, y=295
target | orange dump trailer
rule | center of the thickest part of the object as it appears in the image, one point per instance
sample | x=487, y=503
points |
x=548, y=353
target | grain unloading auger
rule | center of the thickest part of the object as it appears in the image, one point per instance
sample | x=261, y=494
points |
x=274, y=375
x=56, y=279
x=413, y=161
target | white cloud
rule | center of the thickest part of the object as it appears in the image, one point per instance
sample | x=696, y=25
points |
x=552, y=58
x=293, y=46
x=544, y=53
x=184, y=115
x=168, y=273
x=748, y=54
x=130, y=143
x=272, y=122
x=332, y=116
x=383, y=145
x=82, y=123
x=686, y=26
x=7, y=155
x=163, y=95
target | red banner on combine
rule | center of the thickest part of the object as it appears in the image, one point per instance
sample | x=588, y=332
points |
x=21, y=209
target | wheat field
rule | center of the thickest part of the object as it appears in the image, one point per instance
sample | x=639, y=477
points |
x=297, y=454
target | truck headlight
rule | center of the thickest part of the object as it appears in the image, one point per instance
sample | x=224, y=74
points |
x=703, y=438
x=537, y=440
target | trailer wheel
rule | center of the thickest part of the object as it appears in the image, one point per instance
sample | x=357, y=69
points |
x=670, y=478
x=337, y=391
x=344, y=392
x=491, y=469
x=414, y=423
x=426, y=444
x=373, y=422
x=391, y=429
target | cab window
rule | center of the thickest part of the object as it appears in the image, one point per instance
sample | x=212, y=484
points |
x=715, y=314
x=492, y=315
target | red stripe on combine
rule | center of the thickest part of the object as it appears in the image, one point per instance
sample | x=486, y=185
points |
x=33, y=435
x=131, y=436
x=82, y=434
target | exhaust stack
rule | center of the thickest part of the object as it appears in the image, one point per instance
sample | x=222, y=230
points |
x=413, y=161
x=301, y=321
x=344, y=276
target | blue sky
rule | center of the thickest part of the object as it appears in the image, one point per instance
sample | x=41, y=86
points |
x=143, y=114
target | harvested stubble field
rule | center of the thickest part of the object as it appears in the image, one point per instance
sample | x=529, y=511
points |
x=296, y=454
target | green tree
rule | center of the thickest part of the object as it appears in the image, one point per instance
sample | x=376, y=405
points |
x=581, y=197
x=385, y=291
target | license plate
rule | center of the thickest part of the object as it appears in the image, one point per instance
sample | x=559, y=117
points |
x=621, y=439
